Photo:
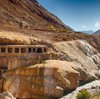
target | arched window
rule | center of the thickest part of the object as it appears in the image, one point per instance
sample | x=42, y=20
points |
x=3, y=69
x=39, y=50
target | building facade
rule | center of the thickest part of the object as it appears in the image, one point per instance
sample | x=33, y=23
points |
x=12, y=56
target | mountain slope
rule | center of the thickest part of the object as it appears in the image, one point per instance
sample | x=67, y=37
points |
x=88, y=32
x=29, y=13
x=30, y=18
x=97, y=32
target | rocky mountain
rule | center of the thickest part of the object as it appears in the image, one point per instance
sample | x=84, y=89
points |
x=73, y=63
x=28, y=14
x=28, y=17
x=97, y=32
x=88, y=32
x=74, y=57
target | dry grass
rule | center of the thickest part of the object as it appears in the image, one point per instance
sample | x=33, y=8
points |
x=96, y=97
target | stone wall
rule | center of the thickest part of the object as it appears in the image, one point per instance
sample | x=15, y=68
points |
x=12, y=56
x=13, y=61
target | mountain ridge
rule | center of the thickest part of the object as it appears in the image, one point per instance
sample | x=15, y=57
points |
x=28, y=17
x=88, y=31
x=28, y=12
x=97, y=32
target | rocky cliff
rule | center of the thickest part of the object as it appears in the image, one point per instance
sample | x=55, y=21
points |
x=81, y=53
x=73, y=62
x=30, y=18
x=16, y=38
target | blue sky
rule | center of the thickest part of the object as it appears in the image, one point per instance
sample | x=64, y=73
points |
x=78, y=14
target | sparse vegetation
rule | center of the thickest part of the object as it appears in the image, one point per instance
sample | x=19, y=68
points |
x=57, y=29
x=83, y=94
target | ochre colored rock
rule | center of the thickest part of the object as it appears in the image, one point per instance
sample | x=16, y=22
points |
x=14, y=38
x=52, y=77
x=49, y=79
x=17, y=38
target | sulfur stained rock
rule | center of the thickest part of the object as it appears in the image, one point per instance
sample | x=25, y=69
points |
x=49, y=79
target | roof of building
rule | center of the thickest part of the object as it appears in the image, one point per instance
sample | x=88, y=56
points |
x=23, y=45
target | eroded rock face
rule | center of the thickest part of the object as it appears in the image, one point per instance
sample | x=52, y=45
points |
x=16, y=38
x=83, y=55
x=80, y=61
x=49, y=79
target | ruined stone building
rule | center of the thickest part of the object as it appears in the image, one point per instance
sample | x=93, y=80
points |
x=12, y=56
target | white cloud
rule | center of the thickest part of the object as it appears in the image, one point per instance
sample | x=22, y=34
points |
x=84, y=26
x=97, y=24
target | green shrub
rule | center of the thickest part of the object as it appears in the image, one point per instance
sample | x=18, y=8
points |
x=83, y=94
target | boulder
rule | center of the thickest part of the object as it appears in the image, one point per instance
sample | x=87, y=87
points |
x=49, y=79
x=24, y=25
